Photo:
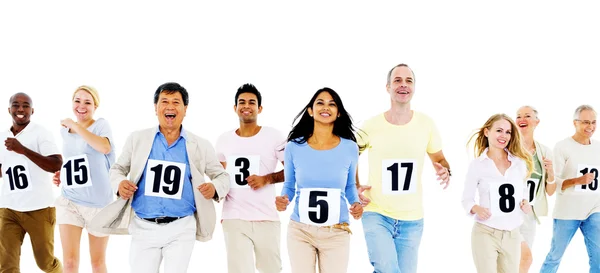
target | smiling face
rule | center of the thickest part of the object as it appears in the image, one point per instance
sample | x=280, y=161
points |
x=401, y=86
x=170, y=110
x=247, y=107
x=20, y=109
x=527, y=120
x=585, y=125
x=324, y=109
x=83, y=106
x=499, y=134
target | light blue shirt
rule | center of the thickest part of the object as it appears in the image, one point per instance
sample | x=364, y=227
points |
x=153, y=206
x=335, y=168
x=100, y=193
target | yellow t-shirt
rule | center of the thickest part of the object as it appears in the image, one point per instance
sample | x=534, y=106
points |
x=396, y=155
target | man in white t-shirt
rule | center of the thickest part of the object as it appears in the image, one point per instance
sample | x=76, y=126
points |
x=576, y=167
x=27, y=159
x=250, y=154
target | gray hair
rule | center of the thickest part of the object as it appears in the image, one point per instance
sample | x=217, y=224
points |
x=582, y=108
x=535, y=111
x=389, y=80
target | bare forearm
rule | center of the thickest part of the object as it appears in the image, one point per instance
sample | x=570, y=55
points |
x=277, y=177
x=100, y=144
x=51, y=163
x=570, y=183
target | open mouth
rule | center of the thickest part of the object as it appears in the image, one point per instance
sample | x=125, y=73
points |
x=501, y=141
x=402, y=92
x=20, y=116
x=523, y=124
x=325, y=115
x=170, y=117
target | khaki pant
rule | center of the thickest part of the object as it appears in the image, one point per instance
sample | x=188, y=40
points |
x=246, y=239
x=39, y=224
x=496, y=250
x=306, y=243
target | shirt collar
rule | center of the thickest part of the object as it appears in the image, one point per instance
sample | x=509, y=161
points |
x=182, y=132
x=484, y=155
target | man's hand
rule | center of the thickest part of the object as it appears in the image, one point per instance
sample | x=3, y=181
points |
x=256, y=181
x=443, y=174
x=12, y=144
x=363, y=199
x=207, y=190
x=56, y=178
x=281, y=202
x=126, y=189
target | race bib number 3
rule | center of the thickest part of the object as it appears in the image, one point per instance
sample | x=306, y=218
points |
x=399, y=176
x=75, y=173
x=16, y=176
x=240, y=167
x=503, y=198
x=532, y=185
x=164, y=179
x=319, y=206
x=592, y=187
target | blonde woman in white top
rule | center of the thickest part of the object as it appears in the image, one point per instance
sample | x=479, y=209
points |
x=499, y=175
x=540, y=184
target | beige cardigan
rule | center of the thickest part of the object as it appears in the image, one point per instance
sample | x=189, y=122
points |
x=115, y=218
x=541, y=205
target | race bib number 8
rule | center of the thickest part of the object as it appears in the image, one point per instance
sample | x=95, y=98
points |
x=532, y=185
x=164, y=179
x=503, y=198
x=319, y=206
x=16, y=176
x=592, y=187
x=399, y=176
x=240, y=167
x=75, y=172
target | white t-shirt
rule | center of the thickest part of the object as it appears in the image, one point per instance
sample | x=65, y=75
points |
x=571, y=160
x=501, y=194
x=25, y=186
x=245, y=156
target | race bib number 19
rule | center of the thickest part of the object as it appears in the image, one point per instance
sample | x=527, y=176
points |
x=16, y=176
x=319, y=206
x=164, y=179
x=240, y=167
x=592, y=187
x=399, y=176
x=75, y=173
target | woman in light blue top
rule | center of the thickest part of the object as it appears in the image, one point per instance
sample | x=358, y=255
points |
x=88, y=153
x=320, y=163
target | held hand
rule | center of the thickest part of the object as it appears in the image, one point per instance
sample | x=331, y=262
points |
x=525, y=206
x=56, y=178
x=356, y=210
x=443, y=174
x=256, y=182
x=281, y=202
x=12, y=144
x=549, y=168
x=68, y=123
x=126, y=189
x=482, y=213
x=585, y=179
x=363, y=199
x=207, y=190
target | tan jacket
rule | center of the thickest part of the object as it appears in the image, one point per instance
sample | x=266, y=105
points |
x=541, y=205
x=115, y=218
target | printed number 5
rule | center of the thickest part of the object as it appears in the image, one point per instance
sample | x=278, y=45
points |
x=322, y=204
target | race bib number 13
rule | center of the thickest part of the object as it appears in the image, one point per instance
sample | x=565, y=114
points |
x=592, y=187
x=164, y=179
x=399, y=176
x=319, y=206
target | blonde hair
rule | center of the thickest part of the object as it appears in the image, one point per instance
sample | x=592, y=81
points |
x=515, y=146
x=91, y=90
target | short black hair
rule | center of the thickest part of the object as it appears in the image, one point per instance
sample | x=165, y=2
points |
x=248, y=88
x=170, y=88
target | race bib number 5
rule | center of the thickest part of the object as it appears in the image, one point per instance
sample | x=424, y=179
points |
x=164, y=179
x=240, y=167
x=319, y=206
x=16, y=176
x=504, y=198
x=399, y=176
x=592, y=187
x=75, y=172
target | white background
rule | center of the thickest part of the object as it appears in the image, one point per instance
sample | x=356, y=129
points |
x=471, y=60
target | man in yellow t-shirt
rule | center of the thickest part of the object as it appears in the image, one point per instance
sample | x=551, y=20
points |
x=397, y=141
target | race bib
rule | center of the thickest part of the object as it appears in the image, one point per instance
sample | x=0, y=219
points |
x=319, y=206
x=16, y=175
x=399, y=176
x=164, y=179
x=532, y=185
x=592, y=187
x=504, y=198
x=75, y=172
x=240, y=167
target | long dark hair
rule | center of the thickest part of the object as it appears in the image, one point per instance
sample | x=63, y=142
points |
x=342, y=126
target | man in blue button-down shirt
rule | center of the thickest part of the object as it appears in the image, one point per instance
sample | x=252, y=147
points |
x=166, y=189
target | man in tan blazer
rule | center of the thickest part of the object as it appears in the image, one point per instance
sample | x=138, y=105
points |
x=164, y=202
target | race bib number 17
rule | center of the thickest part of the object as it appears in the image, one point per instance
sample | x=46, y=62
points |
x=399, y=176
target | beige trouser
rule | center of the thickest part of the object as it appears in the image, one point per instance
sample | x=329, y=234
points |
x=329, y=244
x=245, y=239
x=496, y=250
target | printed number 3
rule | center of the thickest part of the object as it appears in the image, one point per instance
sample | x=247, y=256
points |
x=243, y=163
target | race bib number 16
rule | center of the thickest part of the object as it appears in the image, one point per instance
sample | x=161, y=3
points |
x=16, y=176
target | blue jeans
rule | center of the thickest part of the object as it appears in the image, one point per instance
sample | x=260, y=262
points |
x=393, y=245
x=562, y=234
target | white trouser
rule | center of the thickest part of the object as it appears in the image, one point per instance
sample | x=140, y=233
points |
x=151, y=242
